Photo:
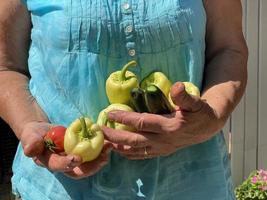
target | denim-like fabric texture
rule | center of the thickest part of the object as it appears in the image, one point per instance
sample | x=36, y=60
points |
x=75, y=45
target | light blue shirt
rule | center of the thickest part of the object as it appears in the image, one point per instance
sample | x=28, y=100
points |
x=75, y=45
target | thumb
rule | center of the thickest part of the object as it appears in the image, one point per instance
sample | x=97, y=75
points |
x=32, y=138
x=33, y=144
x=184, y=100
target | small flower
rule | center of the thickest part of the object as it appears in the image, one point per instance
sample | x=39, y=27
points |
x=254, y=179
x=262, y=175
x=264, y=187
x=262, y=172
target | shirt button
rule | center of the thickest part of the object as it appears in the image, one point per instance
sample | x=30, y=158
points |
x=129, y=29
x=126, y=6
x=131, y=52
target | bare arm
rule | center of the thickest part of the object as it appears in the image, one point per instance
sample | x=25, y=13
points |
x=226, y=56
x=17, y=107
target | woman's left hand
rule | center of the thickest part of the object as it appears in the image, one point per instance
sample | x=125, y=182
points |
x=193, y=122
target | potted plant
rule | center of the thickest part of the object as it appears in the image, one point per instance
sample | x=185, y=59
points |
x=254, y=187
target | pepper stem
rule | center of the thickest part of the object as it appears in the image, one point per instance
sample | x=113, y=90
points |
x=107, y=122
x=132, y=63
x=85, y=133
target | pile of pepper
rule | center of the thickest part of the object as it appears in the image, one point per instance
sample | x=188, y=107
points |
x=124, y=92
x=151, y=95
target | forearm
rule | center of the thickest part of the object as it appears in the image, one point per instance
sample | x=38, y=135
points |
x=17, y=106
x=225, y=80
x=226, y=57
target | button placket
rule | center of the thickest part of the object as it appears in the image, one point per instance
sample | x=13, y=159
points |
x=128, y=28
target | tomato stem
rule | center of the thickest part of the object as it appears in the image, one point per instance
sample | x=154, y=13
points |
x=50, y=145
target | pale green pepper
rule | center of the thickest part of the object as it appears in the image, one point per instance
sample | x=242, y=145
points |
x=158, y=79
x=120, y=83
x=190, y=88
x=104, y=121
x=84, y=138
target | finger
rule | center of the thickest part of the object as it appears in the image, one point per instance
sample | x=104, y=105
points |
x=85, y=170
x=127, y=150
x=90, y=168
x=145, y=122
x=184, y=100
x=34, y=147
x=56, y=162
x=140, y=157
x=126, y=137
x=148, y=151
x=146, y=156
x=108, y=146
x=32, y=138
x=38, y=162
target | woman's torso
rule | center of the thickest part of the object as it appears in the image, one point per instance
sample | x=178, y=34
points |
x=76, y=44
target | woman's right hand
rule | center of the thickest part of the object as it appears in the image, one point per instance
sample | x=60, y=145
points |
x=32, y=139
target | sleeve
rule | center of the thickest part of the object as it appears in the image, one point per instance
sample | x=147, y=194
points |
x=40, y=7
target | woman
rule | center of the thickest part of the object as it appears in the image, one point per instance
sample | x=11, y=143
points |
x=74, y=46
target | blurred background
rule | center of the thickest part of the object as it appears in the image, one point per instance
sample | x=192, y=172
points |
x=8, y=145
x=245, y=131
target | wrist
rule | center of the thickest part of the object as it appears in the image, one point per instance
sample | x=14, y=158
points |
x=20, y=127
x=35, y=116
x=221, y=114
x=17, y=105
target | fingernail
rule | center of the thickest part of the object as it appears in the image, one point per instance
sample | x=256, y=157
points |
x=111, y=114
x=124, y=147
x=70, y=157
x=74, y=160
x=103, y=163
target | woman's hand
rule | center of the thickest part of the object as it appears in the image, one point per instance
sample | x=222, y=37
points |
x=32, y=139
x=194, y=121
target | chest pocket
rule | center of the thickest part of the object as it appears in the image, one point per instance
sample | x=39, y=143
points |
x=111, y=28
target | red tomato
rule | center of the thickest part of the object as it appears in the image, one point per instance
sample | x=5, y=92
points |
x=54, y=139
